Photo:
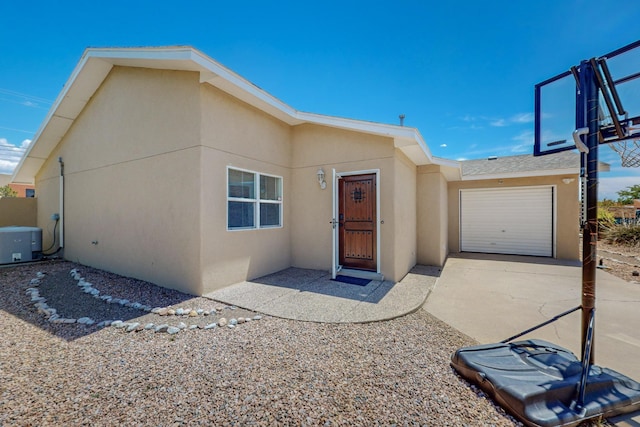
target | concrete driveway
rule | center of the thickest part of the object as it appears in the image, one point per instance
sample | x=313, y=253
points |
x=492, y=297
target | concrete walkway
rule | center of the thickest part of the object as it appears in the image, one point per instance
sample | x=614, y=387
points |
x=311, y=295
x=492, y=297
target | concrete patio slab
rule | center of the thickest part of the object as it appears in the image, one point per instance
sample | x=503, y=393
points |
x=311, y=295
x=492, y=297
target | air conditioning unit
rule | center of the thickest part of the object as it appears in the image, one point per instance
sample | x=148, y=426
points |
x=20, y=244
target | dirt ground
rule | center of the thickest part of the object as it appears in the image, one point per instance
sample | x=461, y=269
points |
x=621, y=261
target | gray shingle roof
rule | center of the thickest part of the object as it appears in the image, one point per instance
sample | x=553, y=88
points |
x=523, y=163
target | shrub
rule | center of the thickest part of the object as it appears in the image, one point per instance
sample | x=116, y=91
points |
x=606, y=220
x=623, y=235
x=7, y=191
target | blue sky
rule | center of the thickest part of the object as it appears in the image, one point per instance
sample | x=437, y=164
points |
x=463, y=72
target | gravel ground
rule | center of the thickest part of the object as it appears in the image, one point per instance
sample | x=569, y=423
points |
x=265, y=372
x=621, y=261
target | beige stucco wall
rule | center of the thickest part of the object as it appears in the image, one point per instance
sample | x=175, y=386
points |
x=18, y=211
x=237, y=135
x=132, y=181
x=432, y=216
x=146, y=186
x=567, y=210
x=404, y=223
x=315, y=147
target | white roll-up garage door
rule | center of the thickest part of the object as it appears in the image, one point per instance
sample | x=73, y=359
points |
x=516, y=220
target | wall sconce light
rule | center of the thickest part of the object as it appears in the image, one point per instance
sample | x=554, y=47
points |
x=568, y=180
x=321, y=181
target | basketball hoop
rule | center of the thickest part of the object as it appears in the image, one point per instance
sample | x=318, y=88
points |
x=629, y=151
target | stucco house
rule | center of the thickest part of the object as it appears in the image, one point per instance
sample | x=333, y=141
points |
x=166, y=166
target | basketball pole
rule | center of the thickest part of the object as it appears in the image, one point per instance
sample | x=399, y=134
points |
x=590, y=227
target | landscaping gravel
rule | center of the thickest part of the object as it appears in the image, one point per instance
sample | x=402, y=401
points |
x=267, y=372
x=619, y=260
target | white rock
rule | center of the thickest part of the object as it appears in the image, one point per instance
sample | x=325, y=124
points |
x=233, y=322
x=182, y=325
x=257, y=317
x=231, y=326
x=68, y=320
x=193, y=326
x=118, y=324
x=211, y=326
x=132, y=326
x=179, y=311
x=200, y=311
x=162, y=328
x=35, y=281
x=171, y=330
x=149, y=326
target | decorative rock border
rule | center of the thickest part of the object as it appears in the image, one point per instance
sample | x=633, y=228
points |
x=40, y=303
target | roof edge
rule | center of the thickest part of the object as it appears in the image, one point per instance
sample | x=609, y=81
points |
x=228, y=81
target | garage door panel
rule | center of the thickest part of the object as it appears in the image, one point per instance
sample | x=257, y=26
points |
x=507, y=221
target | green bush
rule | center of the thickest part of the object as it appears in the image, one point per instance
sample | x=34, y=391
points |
x=7, y=191
x=606, y=220
x=627, y=235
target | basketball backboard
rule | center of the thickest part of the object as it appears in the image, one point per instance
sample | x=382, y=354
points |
x=560, y=106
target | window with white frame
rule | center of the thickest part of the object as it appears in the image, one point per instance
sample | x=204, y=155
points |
x=254, y=200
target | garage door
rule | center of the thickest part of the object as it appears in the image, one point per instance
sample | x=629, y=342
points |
x=507, y=221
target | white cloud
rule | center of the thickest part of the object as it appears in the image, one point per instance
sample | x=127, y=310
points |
x=520, y=118
x=443, y=145
x=10, y=155
x=521, y=149
x=608, y=187
x=525, y=142
x=523, y=118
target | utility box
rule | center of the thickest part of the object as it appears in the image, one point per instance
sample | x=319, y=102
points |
x=20, y=244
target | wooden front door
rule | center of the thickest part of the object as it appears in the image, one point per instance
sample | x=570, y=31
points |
x=357, y=222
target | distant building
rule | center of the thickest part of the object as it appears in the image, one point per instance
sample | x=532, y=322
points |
x=629, y=214
x=23, y=190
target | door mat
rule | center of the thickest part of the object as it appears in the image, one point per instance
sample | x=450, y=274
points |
x=352, y=280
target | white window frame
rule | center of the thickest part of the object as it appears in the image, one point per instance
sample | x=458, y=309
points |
x=257, y=201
